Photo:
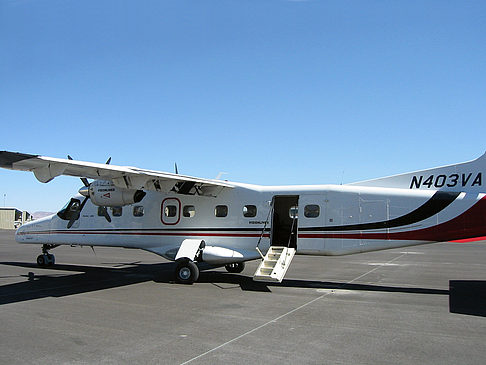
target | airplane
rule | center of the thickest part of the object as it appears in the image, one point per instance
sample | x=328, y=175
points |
x=200, y=222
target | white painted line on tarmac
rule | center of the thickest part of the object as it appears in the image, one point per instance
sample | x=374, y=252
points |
x=286, y=314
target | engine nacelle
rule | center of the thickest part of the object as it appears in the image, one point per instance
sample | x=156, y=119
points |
x=105, y=193
x=219, y=255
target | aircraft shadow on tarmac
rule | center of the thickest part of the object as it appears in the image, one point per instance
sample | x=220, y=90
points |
x=465, y=297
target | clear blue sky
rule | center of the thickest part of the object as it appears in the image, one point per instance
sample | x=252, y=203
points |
x=272, y=92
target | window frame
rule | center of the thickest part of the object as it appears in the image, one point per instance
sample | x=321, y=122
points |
x=186, y=208
x=306, y=211
x=253, y=211
x=218, y=207
x=138, y=207
x=113, y=209
x=172, y=209
x=170, y=221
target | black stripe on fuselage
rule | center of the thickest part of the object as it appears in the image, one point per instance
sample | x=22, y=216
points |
x=439, y=201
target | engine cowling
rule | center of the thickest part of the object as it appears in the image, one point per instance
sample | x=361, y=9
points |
x=105, y=193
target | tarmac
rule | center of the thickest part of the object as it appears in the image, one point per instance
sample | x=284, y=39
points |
x=423, y=304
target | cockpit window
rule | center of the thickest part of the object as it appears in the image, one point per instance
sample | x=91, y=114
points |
x=71, y=210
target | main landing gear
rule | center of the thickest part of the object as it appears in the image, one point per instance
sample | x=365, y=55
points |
x=46, y=259
x=235, y=267
x=186, y=271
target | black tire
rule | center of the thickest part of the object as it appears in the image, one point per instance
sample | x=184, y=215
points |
x=41, y=261
x=235, y=267
x=51, y=260
x=186, y=272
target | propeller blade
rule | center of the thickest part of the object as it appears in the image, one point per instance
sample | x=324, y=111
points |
x=105, y=214
x=75, y=217
x=71, y=222
x=108, y=161
x=82, y=204
x=83, y=179
x=176, y=169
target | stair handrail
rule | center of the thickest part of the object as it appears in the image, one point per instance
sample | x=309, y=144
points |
x=263, y=230
x=294, y=218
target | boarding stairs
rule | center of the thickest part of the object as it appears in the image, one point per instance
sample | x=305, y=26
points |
x=275, y=264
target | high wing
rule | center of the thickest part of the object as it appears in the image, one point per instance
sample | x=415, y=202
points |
x=47, y=168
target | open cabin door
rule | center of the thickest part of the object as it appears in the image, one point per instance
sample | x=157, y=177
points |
x=285, y=221
x=283, y=239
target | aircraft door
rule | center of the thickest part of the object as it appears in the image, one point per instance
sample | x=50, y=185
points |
x=171, y=211
x=285, y=221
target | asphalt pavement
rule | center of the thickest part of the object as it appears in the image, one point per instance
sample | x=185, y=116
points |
x=423, y=304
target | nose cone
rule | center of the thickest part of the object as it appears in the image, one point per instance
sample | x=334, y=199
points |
x=35, y=231
x=22, y=232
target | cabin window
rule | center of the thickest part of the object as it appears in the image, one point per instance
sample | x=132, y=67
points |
x=249, y=211
x=138, y=211
x=116, y=211
x=189, y=211
x=170, y=211
x=101, y=211
x=312, y=211
x=221, y=211
x=294, y=212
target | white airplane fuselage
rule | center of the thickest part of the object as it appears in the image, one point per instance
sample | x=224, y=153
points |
x=196, y=220
x=349, y=219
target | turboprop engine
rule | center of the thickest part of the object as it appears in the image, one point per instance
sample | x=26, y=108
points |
x=105, y=194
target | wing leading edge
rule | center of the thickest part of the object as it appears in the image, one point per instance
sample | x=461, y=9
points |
x=47, y=168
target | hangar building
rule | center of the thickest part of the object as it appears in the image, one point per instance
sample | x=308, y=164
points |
x=11, y=218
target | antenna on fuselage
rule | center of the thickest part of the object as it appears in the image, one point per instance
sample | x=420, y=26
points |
x=221, y=173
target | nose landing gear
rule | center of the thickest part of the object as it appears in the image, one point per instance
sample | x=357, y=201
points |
x=46, y=259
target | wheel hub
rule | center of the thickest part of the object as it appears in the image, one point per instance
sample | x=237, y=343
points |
x=184, y=273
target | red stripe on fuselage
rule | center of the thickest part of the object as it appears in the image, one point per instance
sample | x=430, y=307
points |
x=468, y=226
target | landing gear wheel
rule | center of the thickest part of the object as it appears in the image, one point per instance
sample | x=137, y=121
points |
x=186, y=272
x=235, y=267
x=51, y=260
x=41, y=260
x=46, y=259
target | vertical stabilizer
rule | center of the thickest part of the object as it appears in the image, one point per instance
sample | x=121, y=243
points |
x=466, y=176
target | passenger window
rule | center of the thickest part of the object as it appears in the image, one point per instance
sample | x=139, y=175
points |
x=116, y=211
x=170, y=211
x=101, y=211
x=294, y=212
x=221, y=211
x=189, y=211
x=312, y=211
x=138, y=211
x=249, y=211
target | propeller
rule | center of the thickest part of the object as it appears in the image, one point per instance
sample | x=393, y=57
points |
x=84, y=191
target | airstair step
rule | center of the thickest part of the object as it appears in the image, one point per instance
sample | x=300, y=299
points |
x=275, y=264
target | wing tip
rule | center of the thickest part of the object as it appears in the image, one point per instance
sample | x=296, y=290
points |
x=7, y=158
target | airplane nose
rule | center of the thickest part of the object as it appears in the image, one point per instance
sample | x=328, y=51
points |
x=35, y=231
x=19, y=233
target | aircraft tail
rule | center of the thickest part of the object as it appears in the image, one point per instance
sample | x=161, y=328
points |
x=466, y=176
